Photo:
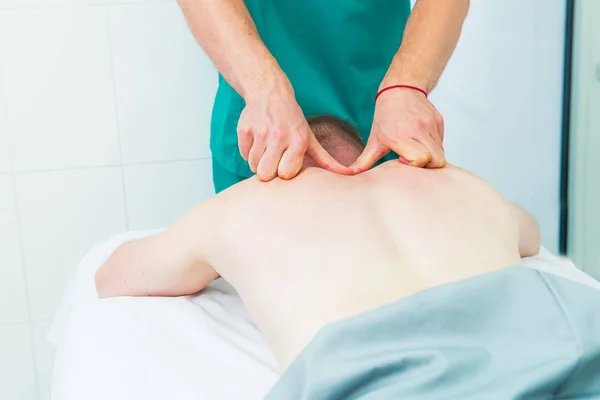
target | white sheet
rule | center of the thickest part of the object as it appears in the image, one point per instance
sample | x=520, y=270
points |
x=201, y=347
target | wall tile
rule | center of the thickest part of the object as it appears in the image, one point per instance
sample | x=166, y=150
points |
x=158, y=194
x=165, y=84
x=63, y=214
x=57, y=87
x=44, y=358
x=4, y=162
x=17, y=376
x=13, y=298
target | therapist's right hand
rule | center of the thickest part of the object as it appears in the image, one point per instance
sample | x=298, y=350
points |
x=274, y=136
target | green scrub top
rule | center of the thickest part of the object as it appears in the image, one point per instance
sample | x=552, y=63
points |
x=335, y=53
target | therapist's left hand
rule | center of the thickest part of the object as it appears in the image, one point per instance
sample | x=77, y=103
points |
x=406, y=122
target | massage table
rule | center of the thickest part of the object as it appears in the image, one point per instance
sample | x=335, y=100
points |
x=200, y=347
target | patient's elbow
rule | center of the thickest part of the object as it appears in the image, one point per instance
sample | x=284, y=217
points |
x=111, y=278
x=530, y=245
x=102, y=285
x=529, y=232
x=529, y=241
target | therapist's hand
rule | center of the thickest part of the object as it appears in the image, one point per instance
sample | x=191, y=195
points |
x=406, y=122
x=274, y=136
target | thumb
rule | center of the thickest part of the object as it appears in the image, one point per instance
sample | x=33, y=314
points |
x=413, y=151
x=370, y=155
x=323, y=158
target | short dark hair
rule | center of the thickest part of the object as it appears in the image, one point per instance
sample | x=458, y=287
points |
x=329, y=127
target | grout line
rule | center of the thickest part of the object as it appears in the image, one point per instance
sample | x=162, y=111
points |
x=18, y=323
x=6, y=324
x=116, y=113
x=93, y=167
x=21, y=242
x=36, y=375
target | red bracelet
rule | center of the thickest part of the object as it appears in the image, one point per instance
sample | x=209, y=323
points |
x=400, y=87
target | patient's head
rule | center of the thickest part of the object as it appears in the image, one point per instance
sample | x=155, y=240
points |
x=338, y=137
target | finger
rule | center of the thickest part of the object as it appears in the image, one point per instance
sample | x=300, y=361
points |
x=269, y=163
x=256, y=153
x=291, y=162
x=437, y=153
x=413, y=151
x=370, y=155
x=435, y=124
x=441, y=126
x=245, y=141
x=434, y=134
x=438, y=120
x=403, y=160
x=429, y=127
x=324, y=159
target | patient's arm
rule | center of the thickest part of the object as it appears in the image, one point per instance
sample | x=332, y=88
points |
x=171, y=263
x=529, y=233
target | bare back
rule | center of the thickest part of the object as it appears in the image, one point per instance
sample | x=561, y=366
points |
x=325, y=247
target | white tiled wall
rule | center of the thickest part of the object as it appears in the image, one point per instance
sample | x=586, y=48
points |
x=584, y=185
x=104, y=116
x=501, y=97
x=161, y=183
x=169, y=99
x=17, y=367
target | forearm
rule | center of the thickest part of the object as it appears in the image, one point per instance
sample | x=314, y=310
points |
x=159, y=265
x=134, y=269
x=226, y=31
x=430, y=37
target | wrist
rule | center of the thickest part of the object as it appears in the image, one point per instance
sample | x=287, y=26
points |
x=267, y=80
x=415, y=89
x=405, y=80
x=398, y=74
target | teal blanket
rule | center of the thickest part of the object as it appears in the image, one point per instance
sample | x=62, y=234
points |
x=512, y=334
